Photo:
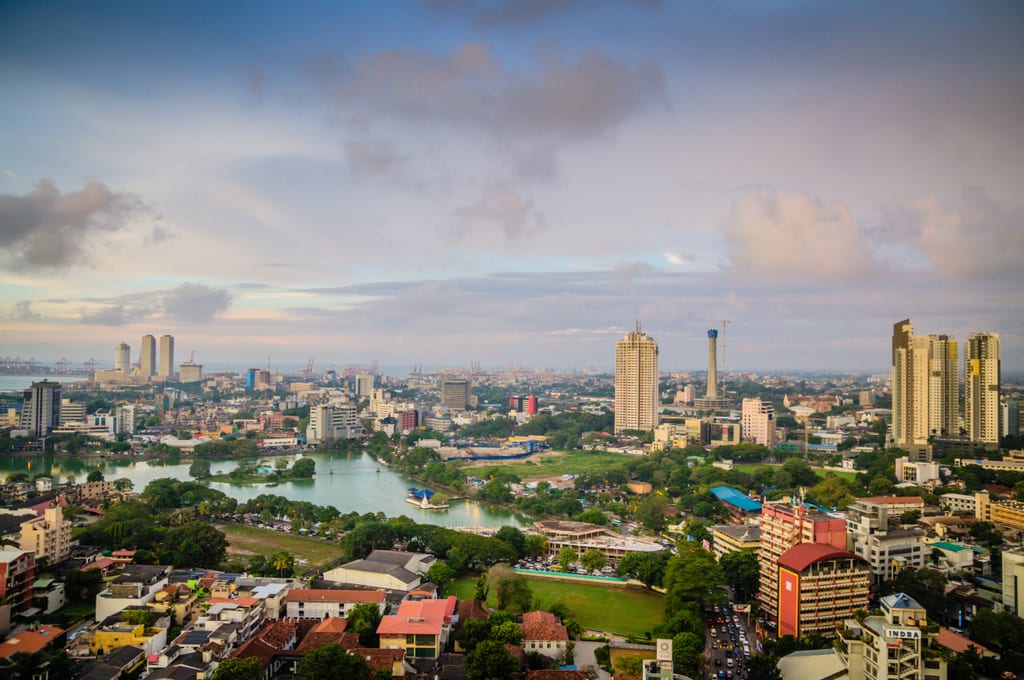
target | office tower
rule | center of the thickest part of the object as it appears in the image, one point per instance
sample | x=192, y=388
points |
x=712, y=364
x=784, y=525
x=166, y=357
x=147, y=357
x=455, y=393
x=71, y=412
x=190, y=372
x=364, y=385
x=328, y=423
x=981, y=387
x=523, y=404
x=41, y=410
x=758, y=422
x=636, y=382
x=925, y=382
x=123, y=358
x=250, y=378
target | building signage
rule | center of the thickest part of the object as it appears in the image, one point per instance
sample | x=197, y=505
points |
x=903, y=633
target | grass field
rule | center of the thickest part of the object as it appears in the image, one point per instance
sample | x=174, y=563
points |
x=625, y=611
x=557, y=463
x=245, y=541
x=749, y=468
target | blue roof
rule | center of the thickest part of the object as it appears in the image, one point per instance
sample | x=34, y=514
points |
x=900, y=601
x=735, y=497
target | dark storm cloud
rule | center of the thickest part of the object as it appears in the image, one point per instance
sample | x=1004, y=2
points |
x=188, y=302
x=195, y=302
x=556, y=97
x=48, y=229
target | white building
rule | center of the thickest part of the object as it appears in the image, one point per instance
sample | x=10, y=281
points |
x=1013, y=582
x=958, y=502
x=757, y=422
x=886, y=549
x=320, y=604
x=328, y=423
x=918, y=472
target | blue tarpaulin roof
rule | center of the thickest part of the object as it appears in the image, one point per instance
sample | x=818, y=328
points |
x=735, y=497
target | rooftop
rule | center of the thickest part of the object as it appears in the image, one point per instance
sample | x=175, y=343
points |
x=425, y=617
x=736, y=498
x=302, y=595
x=900, y=601
x=803, y=555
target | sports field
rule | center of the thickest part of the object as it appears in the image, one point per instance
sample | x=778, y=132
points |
x=751, y=467
x=245, y=541
x=555, y=463
x=624, y=611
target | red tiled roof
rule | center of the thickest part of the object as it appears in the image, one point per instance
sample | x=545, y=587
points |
x=240, y=601
x=267, y=642
x=423, y=617
x=301, y=595
x=29, y=641
x=543, y=626
x=803, y=555
x=958, y=643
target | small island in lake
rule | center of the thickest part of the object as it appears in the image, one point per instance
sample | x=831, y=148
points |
x=425, y=499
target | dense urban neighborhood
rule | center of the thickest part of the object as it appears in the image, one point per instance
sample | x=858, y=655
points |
x=655, y=525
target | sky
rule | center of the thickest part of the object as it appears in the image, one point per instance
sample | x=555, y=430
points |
x=441, y=182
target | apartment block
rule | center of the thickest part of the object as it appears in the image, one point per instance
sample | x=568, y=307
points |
x=894, y=646
x=49, y=536
x=819, y=586
x=885, y=546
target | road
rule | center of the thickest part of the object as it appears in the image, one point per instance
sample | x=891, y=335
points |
x=728, y=640
x=583, y=655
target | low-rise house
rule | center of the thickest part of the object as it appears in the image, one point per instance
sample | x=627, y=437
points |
x=388, y=569
x=543, y=633
x=420, y=628
x=247, y=612
x=320, y=604
x=136, y=586
x=25, y=641
x=177, y=601
x=115, y=632
x=48, y=595
x=269, y=645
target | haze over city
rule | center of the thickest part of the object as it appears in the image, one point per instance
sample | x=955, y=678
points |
x=443, y=182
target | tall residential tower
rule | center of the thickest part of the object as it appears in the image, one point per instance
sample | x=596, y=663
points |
x=981, y=387
x=123, y=358
x=925, y=385
x=636, y=382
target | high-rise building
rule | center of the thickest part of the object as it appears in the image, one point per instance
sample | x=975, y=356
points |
x=455, y=393
x=190, y=372
x=166, y=357
x=41, y=410
x=523, y=404
x=364, y=385
x=48, y=536
x=328, y=423
x=819, y=587
x=123, y=358
x=784, y=525
x=758, y=422
x=981, y=387
x=636, y=382
x=71, y=411
x=925, y=386
x=147, y=357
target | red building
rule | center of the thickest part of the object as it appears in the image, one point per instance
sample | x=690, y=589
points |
x=820, y=586
x=408, y=420
x=17, y=574
x=520, y=404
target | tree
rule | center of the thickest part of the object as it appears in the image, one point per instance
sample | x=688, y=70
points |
x=239, y=669
x=741, y=570
x=651, y=512
x=199, y=469
x=332, y=662
x=566, y=556
x=363, y=620
x=761, y=667
x=688, y=653
x=82, y=586
x=283, y=563
x=139, y=617
x=593, y=516
x=440, y=574
x=648, y=568
x=511, y=589
x=473, y=632
x=514, y=537
x=95, y=476
x=303, y=468
x=194, y=544
x=508, y=632
x=490, y=660
x=535, y=546
x=593, y=560
x=124, y=484
x=927, y=586
x=691, y=578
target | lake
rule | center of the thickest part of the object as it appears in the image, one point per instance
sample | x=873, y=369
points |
x=346, y=481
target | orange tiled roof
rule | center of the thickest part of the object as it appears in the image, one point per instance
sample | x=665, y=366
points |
x=543, y=626
x=29, y=641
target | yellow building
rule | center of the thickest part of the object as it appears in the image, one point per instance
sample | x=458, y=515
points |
x=110, y=637
x=49, y=536
x=1010, y=513
x=636, y=382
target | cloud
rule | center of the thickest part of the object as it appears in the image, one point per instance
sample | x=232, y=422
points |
x=113, y=315
x=792, y=234
x=516, y=13
x=22, y=311
x=679, y=259
x=195, y=302
x=47, y=229
x=470, y=88
x=980, y=237
x=499, y=209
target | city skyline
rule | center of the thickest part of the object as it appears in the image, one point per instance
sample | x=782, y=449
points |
x=516, y=184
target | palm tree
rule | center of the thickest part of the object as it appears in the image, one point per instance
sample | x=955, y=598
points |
x=283, y=563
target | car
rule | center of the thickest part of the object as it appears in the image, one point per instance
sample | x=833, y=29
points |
x=721, y=674
x=729, y=663
x=714, y=644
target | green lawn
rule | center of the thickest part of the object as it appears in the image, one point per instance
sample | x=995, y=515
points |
x=751, y=467
x=557, y=463
x=245, y=541
x=625, y=611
